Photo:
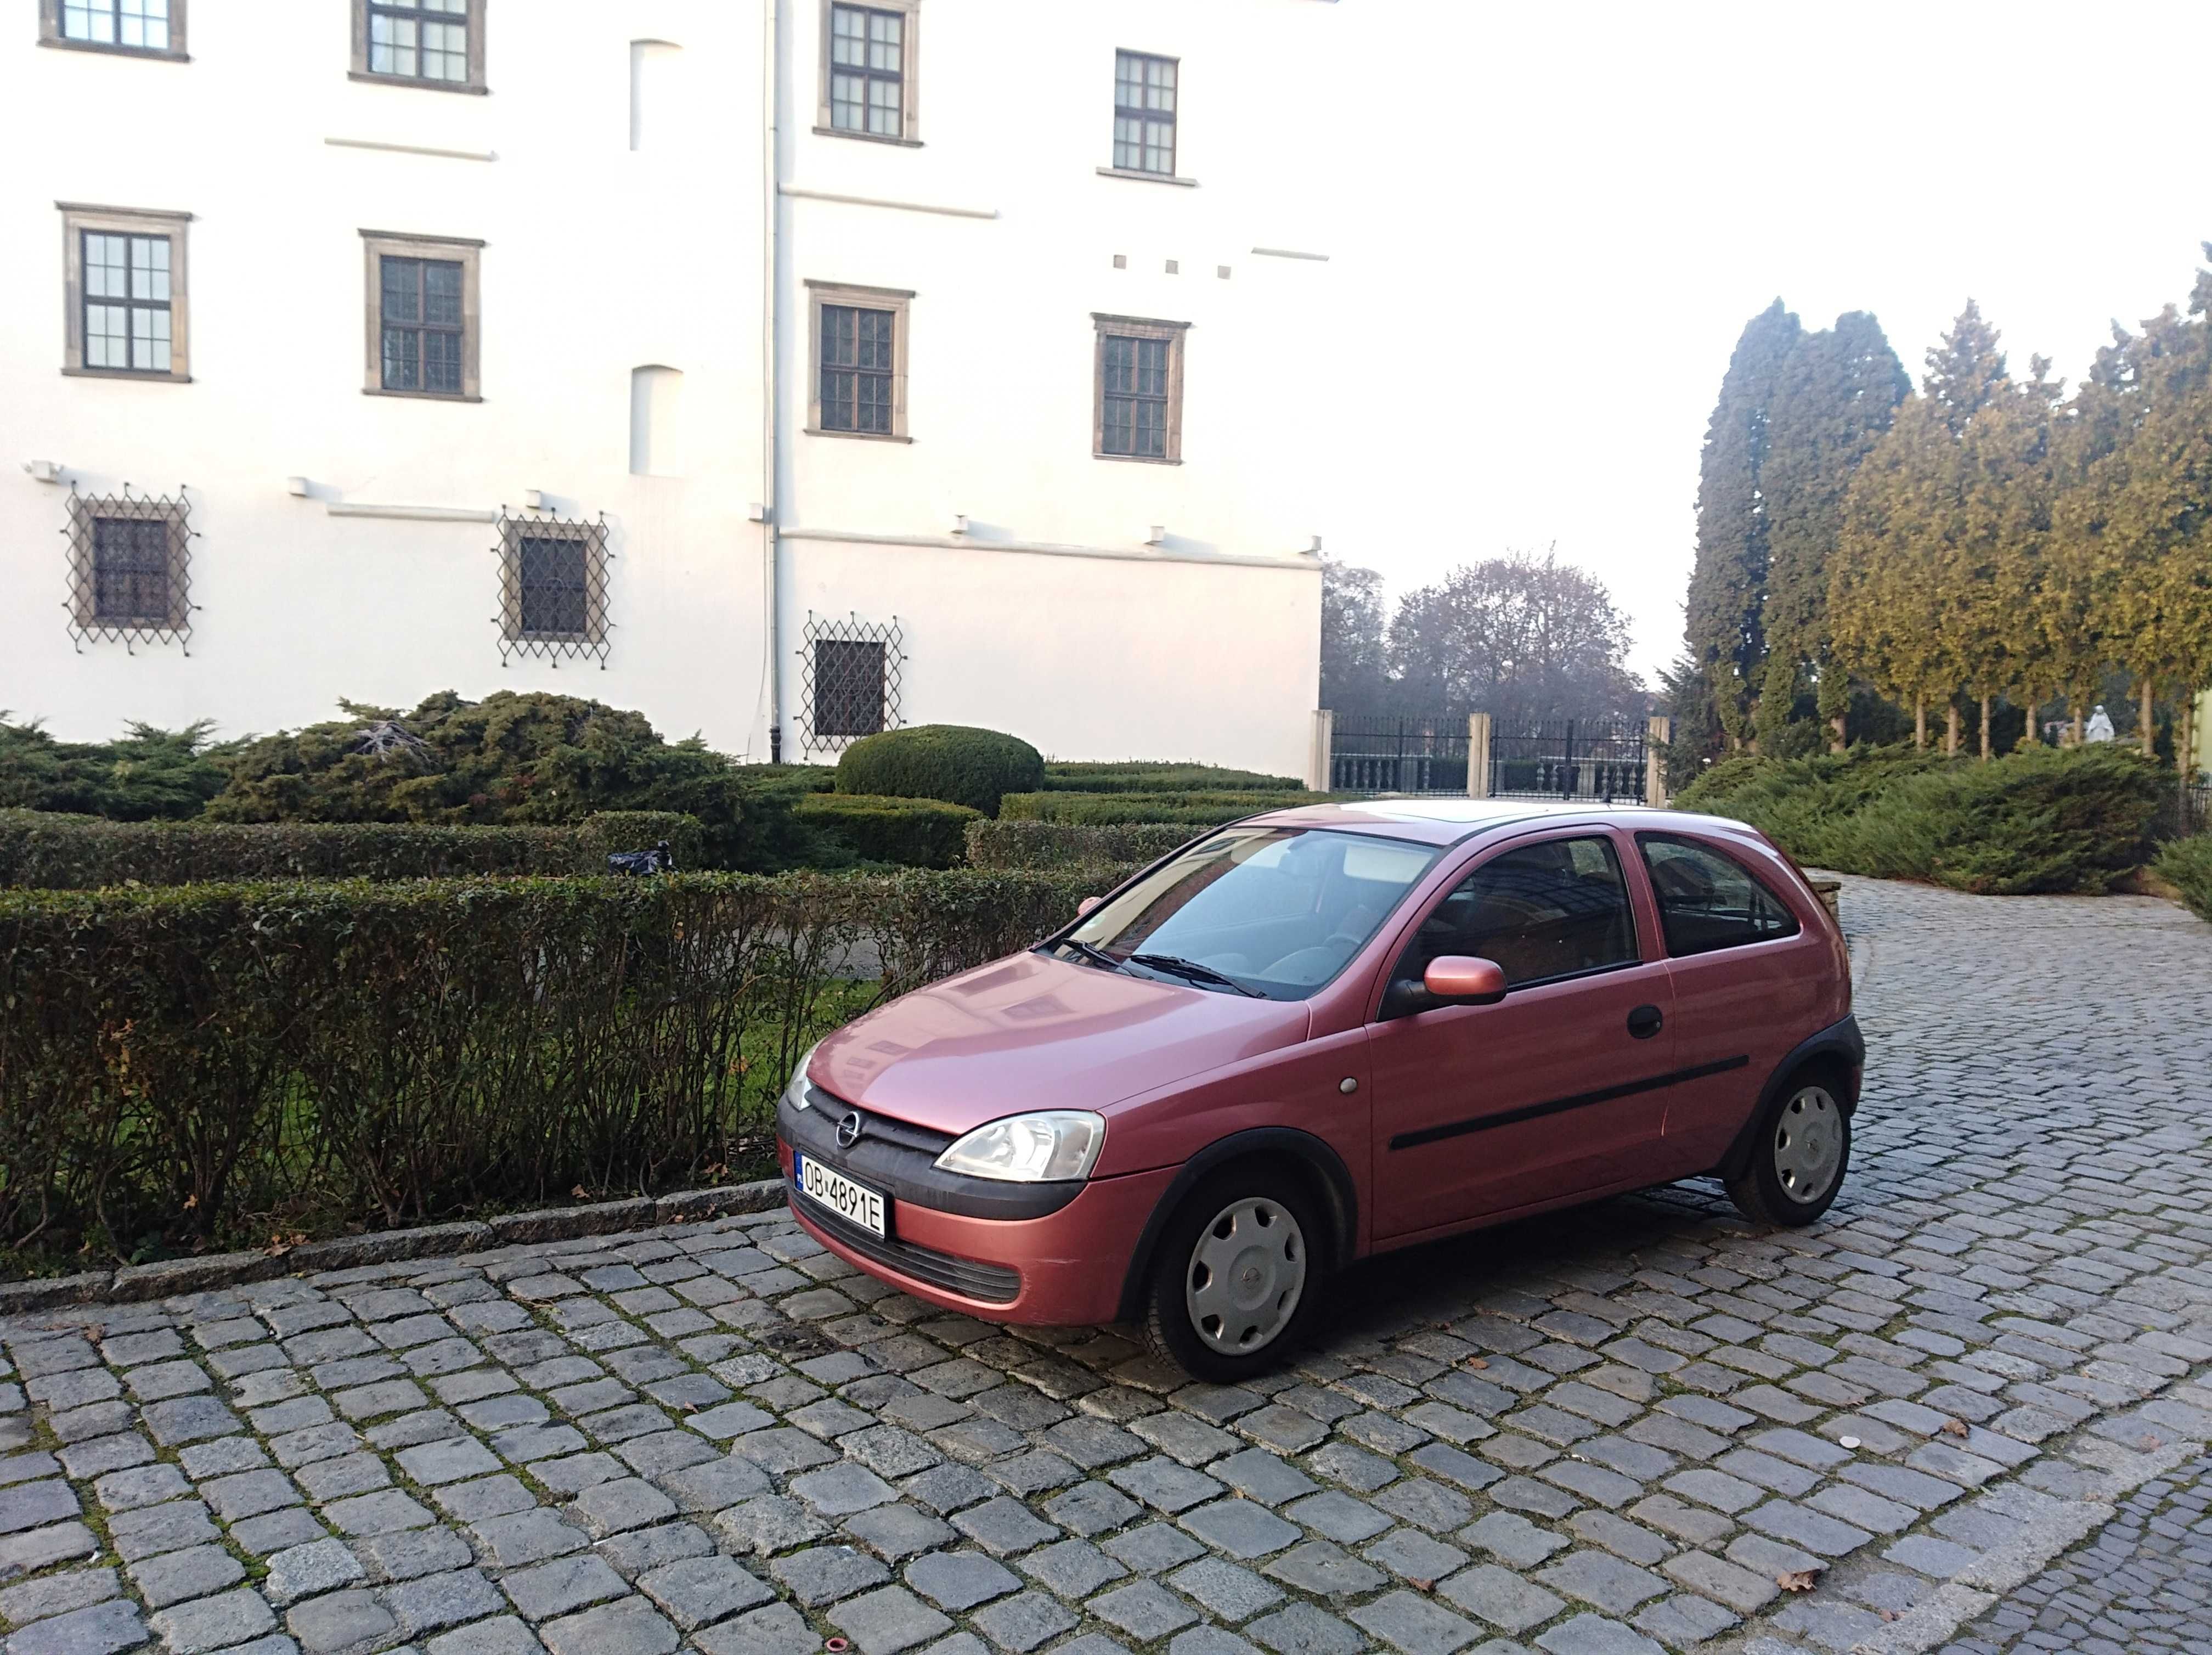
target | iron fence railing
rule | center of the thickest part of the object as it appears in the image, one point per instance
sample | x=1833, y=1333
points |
x=1601, y=759
x=1381, y=754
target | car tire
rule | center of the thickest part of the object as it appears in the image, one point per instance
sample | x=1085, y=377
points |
x=1239, y=1276
x=1800, y=1152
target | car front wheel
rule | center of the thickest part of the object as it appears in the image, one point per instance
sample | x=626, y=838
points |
x=1798, y=1157
x=1238, y=1276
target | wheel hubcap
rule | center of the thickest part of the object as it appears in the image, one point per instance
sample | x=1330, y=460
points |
x=1246, y=1275
x=1808, y=1144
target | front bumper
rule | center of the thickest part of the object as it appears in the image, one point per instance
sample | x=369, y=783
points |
x=1063, y=1270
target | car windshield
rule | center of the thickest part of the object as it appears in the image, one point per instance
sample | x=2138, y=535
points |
x=1253, y=911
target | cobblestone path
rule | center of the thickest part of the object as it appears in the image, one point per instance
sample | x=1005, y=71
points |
x=1970, y=1409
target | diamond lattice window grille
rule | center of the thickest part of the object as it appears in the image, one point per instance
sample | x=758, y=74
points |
x=129, y=569
x=552, y=587
x=850, y=673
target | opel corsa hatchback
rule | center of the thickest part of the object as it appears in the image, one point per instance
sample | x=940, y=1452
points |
x=1324, y=1033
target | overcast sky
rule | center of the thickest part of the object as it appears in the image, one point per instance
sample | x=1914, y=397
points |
x=1563, y=216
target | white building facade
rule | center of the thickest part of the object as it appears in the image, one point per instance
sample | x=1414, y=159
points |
x=782, y=369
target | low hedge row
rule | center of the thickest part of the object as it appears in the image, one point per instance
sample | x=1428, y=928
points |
x=1011, y=842
x=1198, y=809
x=910, y=832
x=45, y=850
x=1134, y=776
x=2186, y=864
x=215, y=1062
x=2046, y=819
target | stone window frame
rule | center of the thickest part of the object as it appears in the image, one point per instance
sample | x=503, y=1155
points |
x=1137, y=327
x=49, y=34
x=909, y=79
x=80, y=217
x=474, y=86
x=377, y=245
x=898, y=301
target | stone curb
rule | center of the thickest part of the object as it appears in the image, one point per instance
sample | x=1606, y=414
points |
x=180, y=1275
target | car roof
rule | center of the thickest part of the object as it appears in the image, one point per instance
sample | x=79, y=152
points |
x=1447, y=821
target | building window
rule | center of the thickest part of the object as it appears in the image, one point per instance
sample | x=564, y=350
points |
x=553, y=589
x=1144, y=113
x=1139, y=402
x=130, y=566
x=422, y=316
x=851, y=671
x=147, y=29
x=868, y=71
x=437, y=44
x=123, y=272
x=859, y=361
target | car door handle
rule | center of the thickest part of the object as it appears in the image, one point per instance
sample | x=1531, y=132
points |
x=1643, y=1022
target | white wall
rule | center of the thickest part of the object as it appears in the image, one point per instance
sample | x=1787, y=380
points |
x=600, y=259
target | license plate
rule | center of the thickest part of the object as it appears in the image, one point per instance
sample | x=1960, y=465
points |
x=853, y=1202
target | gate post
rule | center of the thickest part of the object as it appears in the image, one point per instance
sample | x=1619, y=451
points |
x=1319, y=748
x=1657, y=733
x=1478, y=755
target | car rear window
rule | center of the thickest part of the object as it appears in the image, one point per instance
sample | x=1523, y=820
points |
x=1708, y=900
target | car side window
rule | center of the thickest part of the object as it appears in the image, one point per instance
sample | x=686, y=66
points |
x=1709, y=901
x=1552, y=909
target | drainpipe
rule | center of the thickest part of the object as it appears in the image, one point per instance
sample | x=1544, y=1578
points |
x=771, y=502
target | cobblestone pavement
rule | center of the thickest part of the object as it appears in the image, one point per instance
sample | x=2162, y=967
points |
x=1635, y=1422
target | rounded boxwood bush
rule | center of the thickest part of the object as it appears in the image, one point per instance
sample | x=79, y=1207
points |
x=951, y=762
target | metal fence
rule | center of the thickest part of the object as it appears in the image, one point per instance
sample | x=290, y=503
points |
x=1599, y=759
x=1378, y=754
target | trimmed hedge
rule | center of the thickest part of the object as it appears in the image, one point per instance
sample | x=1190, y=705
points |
x=50, y=851
x=2046, y=820
x=212, y=1063
x=910, y=832
x=1193, y=809
x=1134, y=776
x=951, y=762
x=2187, y=865
x=1010, y=842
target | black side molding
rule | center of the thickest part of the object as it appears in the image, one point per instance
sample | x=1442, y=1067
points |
x=1429, y=1134
x=1842, y=1044
x=1281, y=1141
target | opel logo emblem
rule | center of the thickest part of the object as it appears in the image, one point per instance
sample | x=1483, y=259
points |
x=849, y=1129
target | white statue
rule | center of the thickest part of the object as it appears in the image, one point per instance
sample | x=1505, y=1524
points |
x=2100, y=725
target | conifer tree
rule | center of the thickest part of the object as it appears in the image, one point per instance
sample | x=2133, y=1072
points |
x=1728, y=580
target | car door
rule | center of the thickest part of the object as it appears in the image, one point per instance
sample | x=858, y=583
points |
x=1482, y=1109
x=1747, y=979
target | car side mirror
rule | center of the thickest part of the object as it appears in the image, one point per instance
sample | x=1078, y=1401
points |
x=1463, y=980
x=1086, y=904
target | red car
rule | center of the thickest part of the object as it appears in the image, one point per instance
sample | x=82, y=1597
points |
x=1327, y=1033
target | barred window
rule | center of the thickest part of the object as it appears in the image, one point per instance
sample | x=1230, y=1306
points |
x=553, y=600
x=848, y=687
x=129, y=571
x=123, y=25
x=126, y=302
x=432, y=43
x=1144, y=113
x=423, y=325
x=130, y=565
x=553, y=586
x=867, y=71
x=1139, y=378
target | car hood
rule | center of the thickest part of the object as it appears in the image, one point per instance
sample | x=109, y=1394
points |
x=1031, y=1031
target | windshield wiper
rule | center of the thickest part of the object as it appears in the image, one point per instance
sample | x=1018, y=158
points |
x=1097, y=957
x=1194, y=971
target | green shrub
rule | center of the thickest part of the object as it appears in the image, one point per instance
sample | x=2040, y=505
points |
x=50, y=851
x=2046, y=819
x=2187, y=865
x=205, y=1063
x=1133, y=776
x=149, y=775
x=911, y=832
x=951, y=761
x=1013, y=841
x=1193, y=809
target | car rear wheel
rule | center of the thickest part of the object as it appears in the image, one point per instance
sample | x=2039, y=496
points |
x=1798, y=1156
x=1239, y=1276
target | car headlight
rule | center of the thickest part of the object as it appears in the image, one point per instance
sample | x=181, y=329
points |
x=794, y=1089
x=1046, y=1148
